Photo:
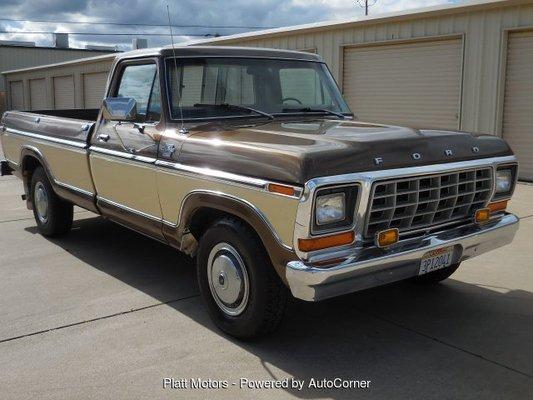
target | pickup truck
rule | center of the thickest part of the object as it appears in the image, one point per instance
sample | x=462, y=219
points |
x=250, y=161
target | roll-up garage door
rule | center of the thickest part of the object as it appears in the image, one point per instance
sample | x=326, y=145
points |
x=17, y=95
x=63, y=92
x=518, y=103
x=38, y=94
x=94, y=89
x=416, y=84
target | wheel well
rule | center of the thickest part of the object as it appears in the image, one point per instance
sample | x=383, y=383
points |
x=205, y=216
x=29, y=165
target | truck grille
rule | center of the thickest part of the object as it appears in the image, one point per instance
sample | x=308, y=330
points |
x=424, y=201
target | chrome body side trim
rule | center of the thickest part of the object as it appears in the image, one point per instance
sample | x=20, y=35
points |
x=211, y=173
x=365, y=180
x=122, y=154
x=74, y=188
x=52, y=139
x=374, y=267
x=129, y=209
x=218, y=175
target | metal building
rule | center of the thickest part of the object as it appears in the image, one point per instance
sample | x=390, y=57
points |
x=463, y=66
x=16, y=55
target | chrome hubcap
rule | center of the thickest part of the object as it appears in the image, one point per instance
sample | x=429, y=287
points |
x=40, y=199
x=228, y=279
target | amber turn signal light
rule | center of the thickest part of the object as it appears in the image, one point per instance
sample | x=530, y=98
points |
x=388, y=237
x=281, y=189
x=325, y=241
x=482, y=215
x=498, y=206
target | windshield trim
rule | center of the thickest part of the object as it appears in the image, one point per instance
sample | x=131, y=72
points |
x=168, y=89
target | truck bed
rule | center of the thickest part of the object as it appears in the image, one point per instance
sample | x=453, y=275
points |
x=73, y=125
x=58, y=140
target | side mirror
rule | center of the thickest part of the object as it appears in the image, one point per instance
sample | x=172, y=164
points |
x=120, y=109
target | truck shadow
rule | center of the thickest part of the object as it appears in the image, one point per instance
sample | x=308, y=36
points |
x=457, y=338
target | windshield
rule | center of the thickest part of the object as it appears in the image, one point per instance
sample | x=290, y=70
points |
x=271, y=86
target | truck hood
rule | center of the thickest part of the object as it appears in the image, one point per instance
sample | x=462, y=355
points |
x=295, y=151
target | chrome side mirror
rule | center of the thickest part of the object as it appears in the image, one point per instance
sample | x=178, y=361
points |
x=120, y=109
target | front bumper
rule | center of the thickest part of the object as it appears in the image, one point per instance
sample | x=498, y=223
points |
x=375, y=267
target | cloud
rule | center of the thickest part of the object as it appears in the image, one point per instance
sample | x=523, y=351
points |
x=189, y=12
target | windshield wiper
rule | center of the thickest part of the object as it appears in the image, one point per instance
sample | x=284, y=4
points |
x=236, y=107
x=322, y=110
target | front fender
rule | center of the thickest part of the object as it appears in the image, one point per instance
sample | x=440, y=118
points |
x=279, y=253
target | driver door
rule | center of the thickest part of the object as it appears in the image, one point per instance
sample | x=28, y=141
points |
x=123, y=153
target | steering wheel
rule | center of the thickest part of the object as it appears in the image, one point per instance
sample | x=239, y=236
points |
x=291, y=99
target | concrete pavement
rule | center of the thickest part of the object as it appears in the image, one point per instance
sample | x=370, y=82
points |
x=107, y=313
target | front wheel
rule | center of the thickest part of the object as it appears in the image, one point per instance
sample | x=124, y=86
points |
x=435, y=277
x=244, y=296
x=52, y=214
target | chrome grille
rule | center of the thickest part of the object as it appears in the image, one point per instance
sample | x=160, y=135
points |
x=425, y=201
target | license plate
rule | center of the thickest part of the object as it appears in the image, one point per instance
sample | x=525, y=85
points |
x=435, y=260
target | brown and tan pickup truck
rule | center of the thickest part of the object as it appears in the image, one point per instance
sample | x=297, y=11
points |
x=250, y=161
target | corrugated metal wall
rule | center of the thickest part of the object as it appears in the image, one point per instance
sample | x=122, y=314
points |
x=12, y=58
x=518, y=112
x=81, y=93
x=94, y=86
x=484, y=32
x=38, y=94
x=396, y=83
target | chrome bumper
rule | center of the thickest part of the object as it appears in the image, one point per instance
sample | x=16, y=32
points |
x=374, y=267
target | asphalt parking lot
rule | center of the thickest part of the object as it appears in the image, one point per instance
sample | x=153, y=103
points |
x=107, y=313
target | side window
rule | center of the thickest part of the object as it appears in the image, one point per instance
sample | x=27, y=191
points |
x=141, y=82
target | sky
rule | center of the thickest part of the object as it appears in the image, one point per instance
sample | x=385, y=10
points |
x=220, y=13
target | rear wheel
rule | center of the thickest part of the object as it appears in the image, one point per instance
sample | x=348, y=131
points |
x=244, y=296
x=435, y=277
x=52, y=214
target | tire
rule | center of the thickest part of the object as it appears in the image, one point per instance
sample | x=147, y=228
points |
x=242, y=292
x=435, y=277
x=52, y=214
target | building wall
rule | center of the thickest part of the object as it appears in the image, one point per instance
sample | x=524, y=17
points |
x=485, y=34
x=75, y=70
x=12, y=57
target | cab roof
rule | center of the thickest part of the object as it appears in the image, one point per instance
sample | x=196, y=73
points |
x=220, y=51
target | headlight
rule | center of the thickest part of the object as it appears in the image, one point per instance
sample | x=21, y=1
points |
x=334, y=208
x=330, y=208
x=504, y=181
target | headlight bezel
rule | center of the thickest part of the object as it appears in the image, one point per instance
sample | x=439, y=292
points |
x=513, y=168
x=351, y=198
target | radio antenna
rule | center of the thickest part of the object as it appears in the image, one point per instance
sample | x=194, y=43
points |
x=182, y=130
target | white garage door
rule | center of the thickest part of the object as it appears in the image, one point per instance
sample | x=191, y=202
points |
x=416, y=84
x=94, y=89
x=17, y=95
x=518, y=103
x=63, y=92
x=38, y=94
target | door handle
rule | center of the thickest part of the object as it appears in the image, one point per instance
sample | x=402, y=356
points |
x=103, y=137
